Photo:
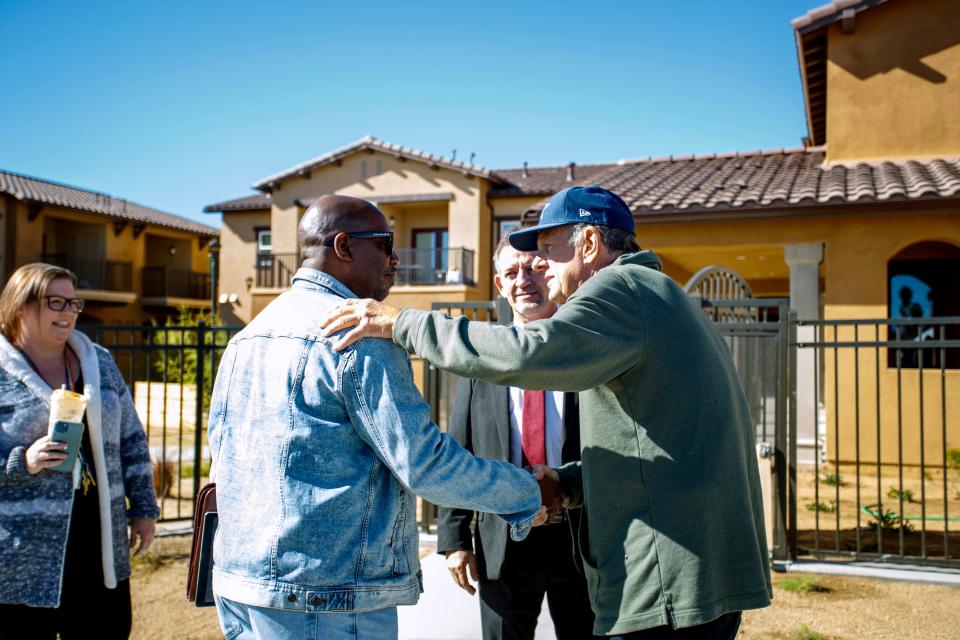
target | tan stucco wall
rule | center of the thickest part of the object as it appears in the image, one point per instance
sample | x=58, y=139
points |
x=238, y=254
x=122, y=247
x=893, y=85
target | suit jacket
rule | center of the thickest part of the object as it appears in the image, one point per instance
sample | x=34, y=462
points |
x=480, y=421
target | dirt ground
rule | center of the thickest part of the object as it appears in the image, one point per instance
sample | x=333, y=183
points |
x=851, y=609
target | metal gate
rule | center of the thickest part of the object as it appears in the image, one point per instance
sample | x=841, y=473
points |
x=886, y=485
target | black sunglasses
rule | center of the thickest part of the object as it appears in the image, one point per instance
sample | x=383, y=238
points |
x=59, y=303
x=386, y=235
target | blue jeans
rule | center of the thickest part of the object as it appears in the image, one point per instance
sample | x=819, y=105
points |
x=247, y=623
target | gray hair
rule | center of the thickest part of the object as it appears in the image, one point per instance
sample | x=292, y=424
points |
x=612, y=238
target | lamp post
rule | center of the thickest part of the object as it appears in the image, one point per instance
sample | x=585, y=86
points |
x=214, y=279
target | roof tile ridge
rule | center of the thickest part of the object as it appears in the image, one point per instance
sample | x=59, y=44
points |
x=56, y=183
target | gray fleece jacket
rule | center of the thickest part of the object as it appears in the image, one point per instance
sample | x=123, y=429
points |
x=672, y=529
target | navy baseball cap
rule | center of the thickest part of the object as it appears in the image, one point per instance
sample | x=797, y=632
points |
x=573, y=205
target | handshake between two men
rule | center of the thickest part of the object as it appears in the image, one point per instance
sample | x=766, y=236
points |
x=552, y=496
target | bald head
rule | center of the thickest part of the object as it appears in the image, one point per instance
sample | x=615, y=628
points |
x=329, y=215
x=362, y=262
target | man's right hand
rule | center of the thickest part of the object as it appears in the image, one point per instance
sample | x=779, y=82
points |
x=457, y=563
x=370, y=319
x=552, y=495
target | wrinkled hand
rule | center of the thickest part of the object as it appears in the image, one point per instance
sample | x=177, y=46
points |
x=142, y=530
x=552, y=496
x=458, y=562
x=44, y=453
x=370, y=318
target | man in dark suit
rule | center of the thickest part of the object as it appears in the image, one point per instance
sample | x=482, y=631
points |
x=527, y=428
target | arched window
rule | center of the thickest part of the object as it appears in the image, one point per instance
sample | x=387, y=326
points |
x=923, y=281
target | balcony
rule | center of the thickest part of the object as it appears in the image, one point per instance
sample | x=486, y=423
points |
x=275, y=270
x=95, y=273
x=175, y=287
x=421, y=267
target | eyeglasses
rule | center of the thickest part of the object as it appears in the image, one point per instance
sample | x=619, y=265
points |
x=59, y=303
x=386, y=235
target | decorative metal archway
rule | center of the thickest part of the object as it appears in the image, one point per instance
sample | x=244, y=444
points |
x=723, y=285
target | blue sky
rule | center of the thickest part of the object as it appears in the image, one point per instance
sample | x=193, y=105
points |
x=179, y=104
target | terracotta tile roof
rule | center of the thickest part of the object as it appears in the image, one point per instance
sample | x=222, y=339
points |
x=255, y=202
x=537, y=181
x=36, y=190
x=369, y=142
x=775, y=180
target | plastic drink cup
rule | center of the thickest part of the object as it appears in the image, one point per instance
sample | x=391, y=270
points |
x=66, y=406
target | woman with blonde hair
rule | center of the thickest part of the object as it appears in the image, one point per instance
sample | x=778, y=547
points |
x=64, y=551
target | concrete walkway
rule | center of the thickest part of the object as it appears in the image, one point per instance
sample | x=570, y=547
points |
x=447, y=612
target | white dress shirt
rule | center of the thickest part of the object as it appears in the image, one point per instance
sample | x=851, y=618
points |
x=555, y=435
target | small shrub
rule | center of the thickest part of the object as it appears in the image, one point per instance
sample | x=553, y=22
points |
x=805, y=633
x=888, y=520
x=896, y=494
x=802, y=583
x=953, y=458
x=928, y=476
x=821, y=506
x=834, y=480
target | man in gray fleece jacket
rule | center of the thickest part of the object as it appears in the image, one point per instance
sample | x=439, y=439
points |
x=672, y=536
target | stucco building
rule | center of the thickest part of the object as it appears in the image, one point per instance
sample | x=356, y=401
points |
x=133, y=263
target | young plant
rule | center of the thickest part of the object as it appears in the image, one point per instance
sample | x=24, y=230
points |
x=953, y=459
x=888, y=520
x=821, y=506
x=803, y=583
x=834, y=480
x=897, y=494
x=805, y=633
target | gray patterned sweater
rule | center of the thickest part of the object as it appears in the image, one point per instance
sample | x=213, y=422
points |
x=35, y=509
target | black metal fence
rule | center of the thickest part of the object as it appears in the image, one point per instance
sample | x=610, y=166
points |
x=170, y=372
x=886, y=483
x=883, y=483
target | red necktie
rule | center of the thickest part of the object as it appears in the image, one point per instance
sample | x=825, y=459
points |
x=533, y=434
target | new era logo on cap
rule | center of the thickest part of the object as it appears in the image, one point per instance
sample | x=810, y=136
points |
x=592, y=205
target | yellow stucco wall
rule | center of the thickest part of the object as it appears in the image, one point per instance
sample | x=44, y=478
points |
x=238, y=254
x=27, y=246
x=894, y=82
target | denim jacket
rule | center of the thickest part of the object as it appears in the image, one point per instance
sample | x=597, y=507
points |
x=317, y=455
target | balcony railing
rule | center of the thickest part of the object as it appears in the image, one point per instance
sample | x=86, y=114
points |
x=163, y=282
x=95, y=273
x=417, y=267
x=435, y=266
x=275, y=270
